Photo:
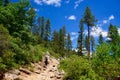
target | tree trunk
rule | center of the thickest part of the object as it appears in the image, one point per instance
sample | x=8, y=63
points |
x=88, y=42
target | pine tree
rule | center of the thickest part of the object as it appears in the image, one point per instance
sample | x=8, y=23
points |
x=89, y=20
x=92, y=43
x=80, y=38
x=115, y=40
x=42, y=28
x=39, y=25
x=100, y=39
x=62, y=41
x=1, y=2
x=6, y=2
x=55, y=42
x=47, y=32
x=69, y=43
x=86, y=42
x=113, y=34
x=31, y=18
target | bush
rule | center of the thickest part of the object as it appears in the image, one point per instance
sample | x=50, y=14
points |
x=8, y=59
x=104, y=64
x=78, y=68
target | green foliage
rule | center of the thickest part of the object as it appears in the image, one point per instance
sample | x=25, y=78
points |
x=69, y=43
x=86, y=42
x=4, y=39
x=89, y=20
x=80, y=38
x=2, y=65
x=78, y=68
x=42, y=28
x=1, y=3
x=100, y=39
x=9, y=59
x=92, y=40
x=104, y=64
x=6, y=2
x=115, y=40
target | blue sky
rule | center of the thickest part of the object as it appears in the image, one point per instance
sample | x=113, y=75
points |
x=69, y=13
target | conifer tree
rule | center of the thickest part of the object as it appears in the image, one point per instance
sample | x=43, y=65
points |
x=89, y=20
x=1, y=2
x=86, y=42
x=100, y=39
x=47, y=32
x=55, y=42
x=115, y=40
x=42, y=28
x=39, y=25
x=31, y=18
x=6, y=2
x=92, y=43
x=62, y=41
x=69, y=43
x=80, y=38
x=113, y=34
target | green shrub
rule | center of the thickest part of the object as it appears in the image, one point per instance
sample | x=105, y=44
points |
x=104, y=64
x=78, y=68
x=2, y=65
x=8, y=59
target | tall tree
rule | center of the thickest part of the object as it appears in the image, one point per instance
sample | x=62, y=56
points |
x=89, y=20
x=31, y=18
x=62, y=41
x=113, y=34
x=39, y=25
x=86, y=42
x=69, y=43
x=115, y=40
x=92, y=43
x=42, y=28
x=1, y=2
x=6, y=2
x=80, y=38
x=100, y=39
x=55, y=42
x=47, y=32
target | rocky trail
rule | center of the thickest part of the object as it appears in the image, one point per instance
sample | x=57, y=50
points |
x=37, y=72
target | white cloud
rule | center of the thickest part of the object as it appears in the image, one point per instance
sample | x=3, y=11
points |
x=77, y=3
x=111, y=17
x=119, y=31
x=68, y=1
x=105, y=21
x=36, y=10
x=56, y=3
x=97, y=30
x=74, y=37
x=74, y=33
x=72, y=17
x=38, y=2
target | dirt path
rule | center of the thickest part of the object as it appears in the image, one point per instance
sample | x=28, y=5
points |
x=51, y=72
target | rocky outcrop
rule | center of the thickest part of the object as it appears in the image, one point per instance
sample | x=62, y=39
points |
x=39, y=72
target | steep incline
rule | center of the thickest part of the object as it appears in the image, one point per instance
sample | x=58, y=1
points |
x=51, y=72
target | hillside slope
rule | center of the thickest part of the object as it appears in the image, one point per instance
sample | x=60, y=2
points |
x=39, y=72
